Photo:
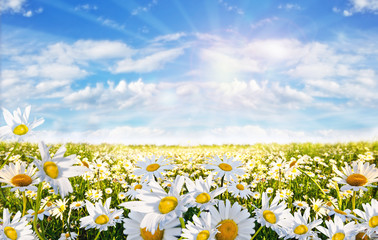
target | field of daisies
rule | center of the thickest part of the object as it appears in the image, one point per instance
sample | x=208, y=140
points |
x=230, y=192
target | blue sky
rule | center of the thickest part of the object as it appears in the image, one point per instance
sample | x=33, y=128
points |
x=192, y=72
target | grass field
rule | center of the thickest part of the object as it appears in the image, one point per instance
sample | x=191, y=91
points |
x=299, y=177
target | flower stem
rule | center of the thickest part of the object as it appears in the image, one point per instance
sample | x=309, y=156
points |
x=24, y=203
x=98, y=234
x=9, y=155
x=317, y=184
x=36, y=209
x=257, y=232
x=354, y=200
x=182, y=222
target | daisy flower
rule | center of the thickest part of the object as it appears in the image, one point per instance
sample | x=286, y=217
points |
x=121, y=195
x=18, y=228
x=300, y=228
x=136, y=188
x=344, y=215
x=336, y=230
x=318, y=207
x=41, y=213
x=60, y=207
x=272, y=215
x=226, y=168
x=100, y=216
x=256, y=195
x=232, y=222
x=58, y=169
x=369, y=216
x=300, y=204
x=77, y=205
x=357, y=177
x=19, y=176
x=160, y=207
x=18, y=124
x=135, y=231
x=153, y=167
x=68, y=236
x=200, y=194
x=108, y=190
x=239, y=190
x=200, y=228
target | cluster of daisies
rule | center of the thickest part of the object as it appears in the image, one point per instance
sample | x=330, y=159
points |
x=222, y=205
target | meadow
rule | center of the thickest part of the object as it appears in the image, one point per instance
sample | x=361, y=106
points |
x=262, y=191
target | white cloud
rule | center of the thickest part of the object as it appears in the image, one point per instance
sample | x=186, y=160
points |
x=264, y=22
x=231, y=8
x=111, y=23
x=86, y=7
x=109, y=97
x=359, y=6
x=15, y=6
x=364, y=5
x=290, y=6
x=145, y=8
x=170, y=37
x=148, y=63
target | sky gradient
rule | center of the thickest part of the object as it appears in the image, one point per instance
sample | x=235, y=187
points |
x=192, y=72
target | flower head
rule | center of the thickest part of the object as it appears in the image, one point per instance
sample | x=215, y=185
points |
x=272, y=214
x=153, y=167
x=336, y=230
x=358, y=176
x=227, y=168
x=134, y=230
x=19, y=176
x=200, y=194
x=17, y=228
x=100, y=216
x=200, y=229
x=232, y=222
x=58, y=169
x=369, y=217
x=18, y=124
x=160, y=207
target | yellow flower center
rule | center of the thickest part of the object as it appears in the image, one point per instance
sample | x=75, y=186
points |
x=21, y=129
x=373, y=222
x=338, y=236
x=356, y=180
x=67, y=235
x=269, y=216
x=339, y=211
x=21, y=180
x=227, y=230
x=85, y=164
x=146, y=235
x=153, y=167
x=102, y=219
x=51, y=169
x=138, y=186
x=225, y=167
x=78, y=205
x=301, y=229
x=362, y=236
x=292, y=163
x=11, y=233
x=300, y=204
x=167, y=204
x=240, y=186
x=39, y=212
x=203, y=198
x=203, y=235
